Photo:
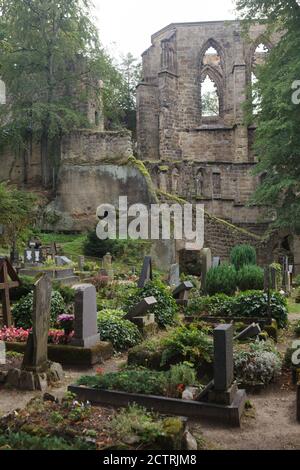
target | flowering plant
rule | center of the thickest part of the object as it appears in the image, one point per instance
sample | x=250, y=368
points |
x=66, y=322
x=59, y=337
x=14, y=335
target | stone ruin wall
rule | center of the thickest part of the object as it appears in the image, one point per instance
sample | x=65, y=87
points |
x=207, y=159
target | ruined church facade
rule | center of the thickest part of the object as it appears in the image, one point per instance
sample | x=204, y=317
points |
x=191, y=153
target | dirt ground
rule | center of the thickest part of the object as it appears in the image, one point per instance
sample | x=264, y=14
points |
x=270, y=424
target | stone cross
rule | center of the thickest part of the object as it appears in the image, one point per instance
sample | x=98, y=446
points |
x=174, y=275
x=146, y=274
x=206, y=265
x=6, y=271
x=86, y=330
x=36, y=354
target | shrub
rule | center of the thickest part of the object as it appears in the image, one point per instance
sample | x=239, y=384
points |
x=97, y=248
x=297, y=329
x=67, y=293
x=221, y=279
x=255, y=304
x=27, y=285
x=123, y=334
x=246, y=304
x=165, y=310
x=242, y=255
x=297, y=280
x=250, y=277
x=260, y=365
x=199, y=304
x=187, y=343
x=22, y=311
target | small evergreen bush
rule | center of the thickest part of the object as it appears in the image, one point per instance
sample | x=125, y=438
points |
x=123, y=334
x=222, y=279
x=22, y=311
x=165, y=310
x=250, y=277
x=242, y=255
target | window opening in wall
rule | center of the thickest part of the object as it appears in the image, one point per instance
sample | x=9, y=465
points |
x=210, y=102
x=211, y=57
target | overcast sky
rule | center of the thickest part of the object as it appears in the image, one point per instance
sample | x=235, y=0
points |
x=127, y=25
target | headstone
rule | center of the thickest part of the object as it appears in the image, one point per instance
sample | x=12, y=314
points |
x=181, y=293
x=206, y=264
x=36, y=354
x=107, y=265
x=286, y=277
x=223, y=357
x=28, y=256
x=146, y=274
x=174, y=275
x=86, y=331
x=224, y=390
x=142, y=308
x=250, y=332
x=216, y=261
x=81, y=262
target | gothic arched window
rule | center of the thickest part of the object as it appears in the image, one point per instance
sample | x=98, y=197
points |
x=211, y=80
x=210, y=102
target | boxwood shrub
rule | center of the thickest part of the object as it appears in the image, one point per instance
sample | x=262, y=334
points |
x=250, y=277
x=123, y=334
x=222, y=279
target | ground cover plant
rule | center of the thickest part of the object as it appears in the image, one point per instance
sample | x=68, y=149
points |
x=144, y=381
x=259, y=365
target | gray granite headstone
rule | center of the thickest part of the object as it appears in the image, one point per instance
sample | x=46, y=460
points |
x=146, y=274
x=141, y=308
x=36, y=354
x=181, y=293
x=223, y=357
x=86, y=331
x=2, y=353
x=174, y=275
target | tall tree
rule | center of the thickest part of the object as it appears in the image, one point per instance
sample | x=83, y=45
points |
x=48, y=57
x=131, y=72
x=17, y=213
x=277, y=138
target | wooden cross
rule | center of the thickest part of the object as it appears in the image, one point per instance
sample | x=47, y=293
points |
x=6, y=271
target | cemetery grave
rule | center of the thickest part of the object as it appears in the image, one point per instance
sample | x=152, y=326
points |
x=200, y=368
